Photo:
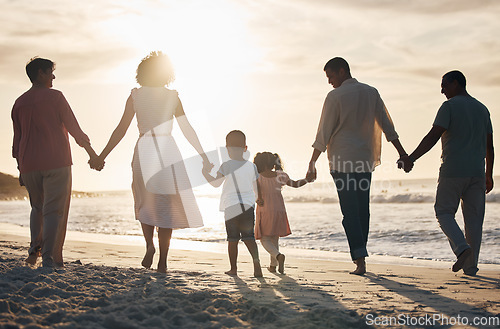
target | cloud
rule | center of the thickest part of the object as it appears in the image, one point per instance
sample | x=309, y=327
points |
x=400, y=46
x=432, y=8
x=380, y=37
x=67, y=32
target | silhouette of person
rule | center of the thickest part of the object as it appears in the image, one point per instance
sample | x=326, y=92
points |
x=464, y=126
x=237, y=201
x=162, y=192
x=352, y=121
x=42, y=119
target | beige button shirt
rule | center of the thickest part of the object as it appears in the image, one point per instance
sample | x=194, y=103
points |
x=351, y=126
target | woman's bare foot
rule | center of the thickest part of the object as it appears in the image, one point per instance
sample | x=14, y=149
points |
x=231, y=272
x=161, y=269
x=148, y=257
x=281, y=263
x=272, y=269
x=360, y=266
x=32, y=258
x=257, y=270
x=461, y=260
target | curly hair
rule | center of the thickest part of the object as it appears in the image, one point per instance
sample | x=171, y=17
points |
x=267, y=160
x=155, y=70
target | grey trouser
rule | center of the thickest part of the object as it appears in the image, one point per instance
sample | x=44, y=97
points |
x=470, y=191
x=50, y=194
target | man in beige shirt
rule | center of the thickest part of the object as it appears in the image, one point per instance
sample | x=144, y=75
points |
x=350, y=129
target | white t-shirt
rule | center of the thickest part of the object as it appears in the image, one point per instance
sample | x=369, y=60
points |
x=245, y=173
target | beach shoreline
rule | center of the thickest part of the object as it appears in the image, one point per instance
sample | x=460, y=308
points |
x=221, y=248
x=102, y=281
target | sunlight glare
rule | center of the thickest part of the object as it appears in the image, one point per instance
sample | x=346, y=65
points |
x=209, y=44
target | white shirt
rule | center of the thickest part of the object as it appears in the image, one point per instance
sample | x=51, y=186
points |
x=351, y=126
x=245, y=190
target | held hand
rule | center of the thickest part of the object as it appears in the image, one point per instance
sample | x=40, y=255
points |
x=405, y=163
x=311, y=174
x=207, y=166
x=96, y=163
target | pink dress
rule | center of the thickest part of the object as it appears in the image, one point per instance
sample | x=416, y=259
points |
x=271, y=218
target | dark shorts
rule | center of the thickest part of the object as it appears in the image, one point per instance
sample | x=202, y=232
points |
x=241, y=226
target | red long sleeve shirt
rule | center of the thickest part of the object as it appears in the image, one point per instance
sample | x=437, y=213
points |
x=42, y=119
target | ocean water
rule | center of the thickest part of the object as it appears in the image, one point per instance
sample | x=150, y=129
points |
x=402, y=219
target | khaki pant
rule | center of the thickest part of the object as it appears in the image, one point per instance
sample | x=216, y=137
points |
x=50, y=194
x=470, y=192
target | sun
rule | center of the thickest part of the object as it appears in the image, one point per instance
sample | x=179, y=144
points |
x=211, y=48
x=207, y=41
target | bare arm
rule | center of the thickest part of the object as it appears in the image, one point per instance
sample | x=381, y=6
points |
x=404, y=161
x=399, y=147
x=214, y=181
x=311, y=171
x=188, y=132
x=427, y=142
x=260, y=200
x=490, y=157
x=94, y=160
x=15, y=144
x=120, y=130
x=296, y=183
x=89, y=149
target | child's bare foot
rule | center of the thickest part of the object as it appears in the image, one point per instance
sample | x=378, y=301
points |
x=461, y=260
x=161, y=269
x=281, y=263
x=360, y=267
x=148, y=257
x=272, y=269
x=257, y=270
x=231, y=272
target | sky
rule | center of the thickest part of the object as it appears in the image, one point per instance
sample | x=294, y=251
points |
x=256, y=66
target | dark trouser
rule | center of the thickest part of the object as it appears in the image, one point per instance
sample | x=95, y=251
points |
x=50, y=193
x=354, y=197
x=241, y=226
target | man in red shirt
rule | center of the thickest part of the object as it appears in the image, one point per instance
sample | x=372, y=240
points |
x=42, y=119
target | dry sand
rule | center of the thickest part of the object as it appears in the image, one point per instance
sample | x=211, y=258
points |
x=103, y=286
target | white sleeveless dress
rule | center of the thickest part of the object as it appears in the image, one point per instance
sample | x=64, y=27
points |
x=162, y=192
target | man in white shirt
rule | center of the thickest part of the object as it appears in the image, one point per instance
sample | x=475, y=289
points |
x=350, y=128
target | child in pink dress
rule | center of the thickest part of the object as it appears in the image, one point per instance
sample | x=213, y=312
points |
x=271, y=219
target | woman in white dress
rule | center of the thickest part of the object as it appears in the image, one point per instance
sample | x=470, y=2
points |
x=162, y=193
